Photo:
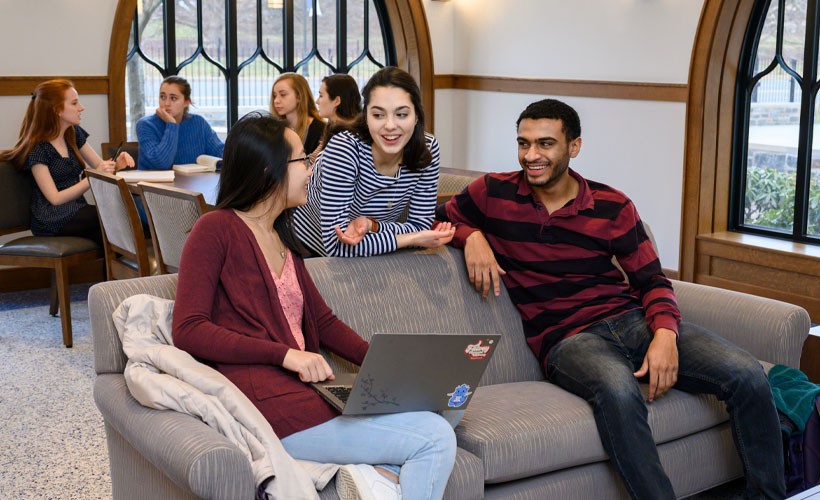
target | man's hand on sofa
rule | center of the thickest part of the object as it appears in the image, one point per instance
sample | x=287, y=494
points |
x=310, y=366
x=661, y=362
x=482, y=269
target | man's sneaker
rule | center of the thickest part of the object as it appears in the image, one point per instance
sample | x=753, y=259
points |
x=363, y=482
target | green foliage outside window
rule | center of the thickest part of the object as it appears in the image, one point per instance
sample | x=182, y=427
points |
x=770, y=200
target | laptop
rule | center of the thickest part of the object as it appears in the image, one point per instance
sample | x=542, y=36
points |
x=412, y=372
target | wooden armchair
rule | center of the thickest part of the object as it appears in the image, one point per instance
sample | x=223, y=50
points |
x=58, y=253
x=172, y=213
x=127, y=254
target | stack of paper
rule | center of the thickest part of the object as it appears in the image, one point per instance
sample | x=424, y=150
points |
x=204, y=163
x=146, y=175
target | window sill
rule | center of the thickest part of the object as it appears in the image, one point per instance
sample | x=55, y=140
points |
x=763, y=266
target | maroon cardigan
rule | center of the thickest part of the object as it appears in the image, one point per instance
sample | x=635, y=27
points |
x=227, y=312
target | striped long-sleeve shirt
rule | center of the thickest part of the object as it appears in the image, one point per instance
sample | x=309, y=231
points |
x=346, y=185
x=560, y=273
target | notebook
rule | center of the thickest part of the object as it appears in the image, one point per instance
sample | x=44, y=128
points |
x=204, y=163
x=146, y=175
x=412, y=372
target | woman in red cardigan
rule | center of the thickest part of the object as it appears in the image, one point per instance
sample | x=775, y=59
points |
x=246, y=305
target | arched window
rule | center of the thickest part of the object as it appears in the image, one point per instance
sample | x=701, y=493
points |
x=232, y=51
x=775, y=159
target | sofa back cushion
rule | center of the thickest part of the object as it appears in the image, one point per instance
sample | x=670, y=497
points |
x=424, y=291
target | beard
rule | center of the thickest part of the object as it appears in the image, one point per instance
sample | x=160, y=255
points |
x=558, y=172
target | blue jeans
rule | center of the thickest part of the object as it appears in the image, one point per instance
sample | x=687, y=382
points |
x=598, y=365
x=422, y=443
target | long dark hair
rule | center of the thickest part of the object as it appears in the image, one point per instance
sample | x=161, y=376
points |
x=416, y=154
x=347, y=90
x=350, y=103
x=42, y=122
x=255, y=167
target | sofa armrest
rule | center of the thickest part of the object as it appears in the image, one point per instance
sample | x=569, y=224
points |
x=769, y=329
x=191, y=454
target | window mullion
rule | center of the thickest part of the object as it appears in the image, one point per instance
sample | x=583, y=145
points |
x=804, y=155
x=287, y=30
x=233, y=62
x=170, y=23
x=341, y=38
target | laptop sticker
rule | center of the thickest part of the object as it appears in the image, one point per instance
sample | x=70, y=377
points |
x=459, y=396
x=478, y=350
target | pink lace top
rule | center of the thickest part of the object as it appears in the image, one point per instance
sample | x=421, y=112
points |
x=291, y=298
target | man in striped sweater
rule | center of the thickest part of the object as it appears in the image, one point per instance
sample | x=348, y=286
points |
x=551, y=235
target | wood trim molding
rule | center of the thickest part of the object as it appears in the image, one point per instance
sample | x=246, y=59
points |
x=414, y=50
x=579, y=88
x=709, y=122
x=24, y=85
x=117, y=50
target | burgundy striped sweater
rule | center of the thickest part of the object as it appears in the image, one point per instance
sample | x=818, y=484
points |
x=559, y=266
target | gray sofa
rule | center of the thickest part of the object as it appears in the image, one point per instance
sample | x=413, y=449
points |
x=521, y=437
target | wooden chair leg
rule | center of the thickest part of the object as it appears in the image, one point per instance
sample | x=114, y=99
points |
x=52, y=309
x=64, y=294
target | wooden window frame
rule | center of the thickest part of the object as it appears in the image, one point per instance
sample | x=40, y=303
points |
x=710, y=253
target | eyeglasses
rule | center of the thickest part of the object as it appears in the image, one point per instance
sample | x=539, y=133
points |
x=305, y=159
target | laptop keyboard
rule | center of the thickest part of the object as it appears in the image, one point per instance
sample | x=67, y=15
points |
x=340, y=391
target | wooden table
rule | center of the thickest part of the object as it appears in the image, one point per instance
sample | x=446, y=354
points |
x=206, y=183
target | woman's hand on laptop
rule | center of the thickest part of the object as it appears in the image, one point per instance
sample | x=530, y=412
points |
x=310, y=366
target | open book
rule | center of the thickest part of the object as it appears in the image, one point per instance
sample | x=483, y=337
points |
x=146, y=175
x=204, y=163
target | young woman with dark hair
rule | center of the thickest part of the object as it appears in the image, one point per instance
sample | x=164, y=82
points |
x=173, y=135
x=267, y=341
x=340, y=103
x=292, y=100
x=367, y=178
x=54, y=148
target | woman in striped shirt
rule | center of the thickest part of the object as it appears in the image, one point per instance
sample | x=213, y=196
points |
x=367, y=178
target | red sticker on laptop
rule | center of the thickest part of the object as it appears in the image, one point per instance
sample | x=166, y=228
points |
x=478, y=350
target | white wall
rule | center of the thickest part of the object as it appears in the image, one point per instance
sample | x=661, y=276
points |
x=55, y=38
x=636, y=146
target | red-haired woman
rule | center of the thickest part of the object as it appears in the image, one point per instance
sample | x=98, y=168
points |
x=54, y=148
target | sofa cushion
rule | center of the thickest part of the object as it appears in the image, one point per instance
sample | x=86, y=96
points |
x=527, y=428
x=424, y=291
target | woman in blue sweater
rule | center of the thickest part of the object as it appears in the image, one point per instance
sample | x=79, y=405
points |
x=172, y=135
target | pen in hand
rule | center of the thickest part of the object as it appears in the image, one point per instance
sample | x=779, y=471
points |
x=117, y=152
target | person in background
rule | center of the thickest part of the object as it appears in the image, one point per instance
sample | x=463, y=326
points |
x=367, y=178
x=54, y=148
x=340, y=103
x=267, y=342
x=292, y=100
x=173, y=135
x=551, y=235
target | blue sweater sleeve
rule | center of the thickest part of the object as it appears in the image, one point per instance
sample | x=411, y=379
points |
x=158, y=143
